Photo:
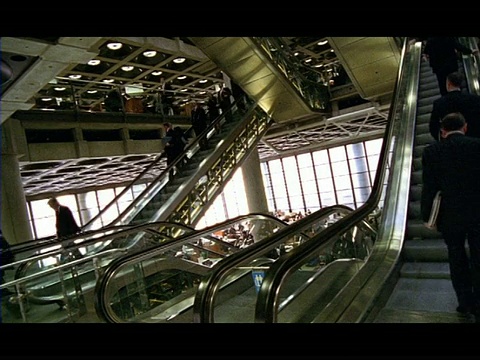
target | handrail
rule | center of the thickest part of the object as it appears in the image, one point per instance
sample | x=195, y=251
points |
x=315, y=94
x=210, y=285
x=267, y=301
x=471, y=64
x=161, y=179
x=101, y=300
x=121, y=231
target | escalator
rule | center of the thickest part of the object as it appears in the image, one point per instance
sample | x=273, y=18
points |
x=185, y=196
x=131, y=278
x=182, y=199
x=423, y=291
x=406, y=277
x=39, y=279
x=173, y=258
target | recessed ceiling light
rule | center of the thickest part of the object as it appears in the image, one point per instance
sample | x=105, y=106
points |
x=202, y=92
x=92, y=91
x=203, y=81
x=150, y=53
x=47, y=99
x=321, y=43
x=308, y=60
x=296, y=53
x=156, y=73
x=94, y=62
x=60, y=88
x=108, y=80
x=114, y=45
x=75, y=76
x=127, y=68
x=181, y=77
x=179, y=60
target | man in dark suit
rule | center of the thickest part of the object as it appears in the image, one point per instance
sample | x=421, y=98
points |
x=199, y=123
x=452, y=166
x=456, y=101
x=441, y=53
x=66, y=226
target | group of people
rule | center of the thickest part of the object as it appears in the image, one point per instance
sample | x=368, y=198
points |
x=175, y=139
x=451, y=165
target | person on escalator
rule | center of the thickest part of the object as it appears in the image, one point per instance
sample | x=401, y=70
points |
x=442, y=55
x=456, y=101
x=174, y=145
x=452, y=166
x=66, y=226
x=199, y=123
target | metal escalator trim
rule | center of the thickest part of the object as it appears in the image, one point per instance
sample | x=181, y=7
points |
x=248, y=65
x=267, y=302
x=104, y=282
x=210, y=285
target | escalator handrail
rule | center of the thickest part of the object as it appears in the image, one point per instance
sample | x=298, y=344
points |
x=123, y=231
x=208, y=287
x=134, y=258
x=266, y=299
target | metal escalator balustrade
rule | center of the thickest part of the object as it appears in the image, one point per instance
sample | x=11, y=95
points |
x=250, y=65
x=218, y=299
x=158, y=285
x=389, y=172
x=40, y=279
x=184, y=197
x=421, y=289
x=314, y=90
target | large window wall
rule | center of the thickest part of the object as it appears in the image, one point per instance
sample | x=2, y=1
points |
x=311, y=181
x=298, y=183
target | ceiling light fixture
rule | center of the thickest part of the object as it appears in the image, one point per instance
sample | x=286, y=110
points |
x=93, y=62
x=203, y=81
x=60, y=88
x=179, y=60
x=321, y=43
x=75, y=76
x=181, y=77
x=108, y=81
x=114, y=46
x=156, y=73
x=92, y=91
x=127, y=68
x=150, y=53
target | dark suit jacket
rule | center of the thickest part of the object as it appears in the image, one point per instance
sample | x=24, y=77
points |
x=66, y=224
x=456, y=101
x=442, y=53
x=452, y=166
